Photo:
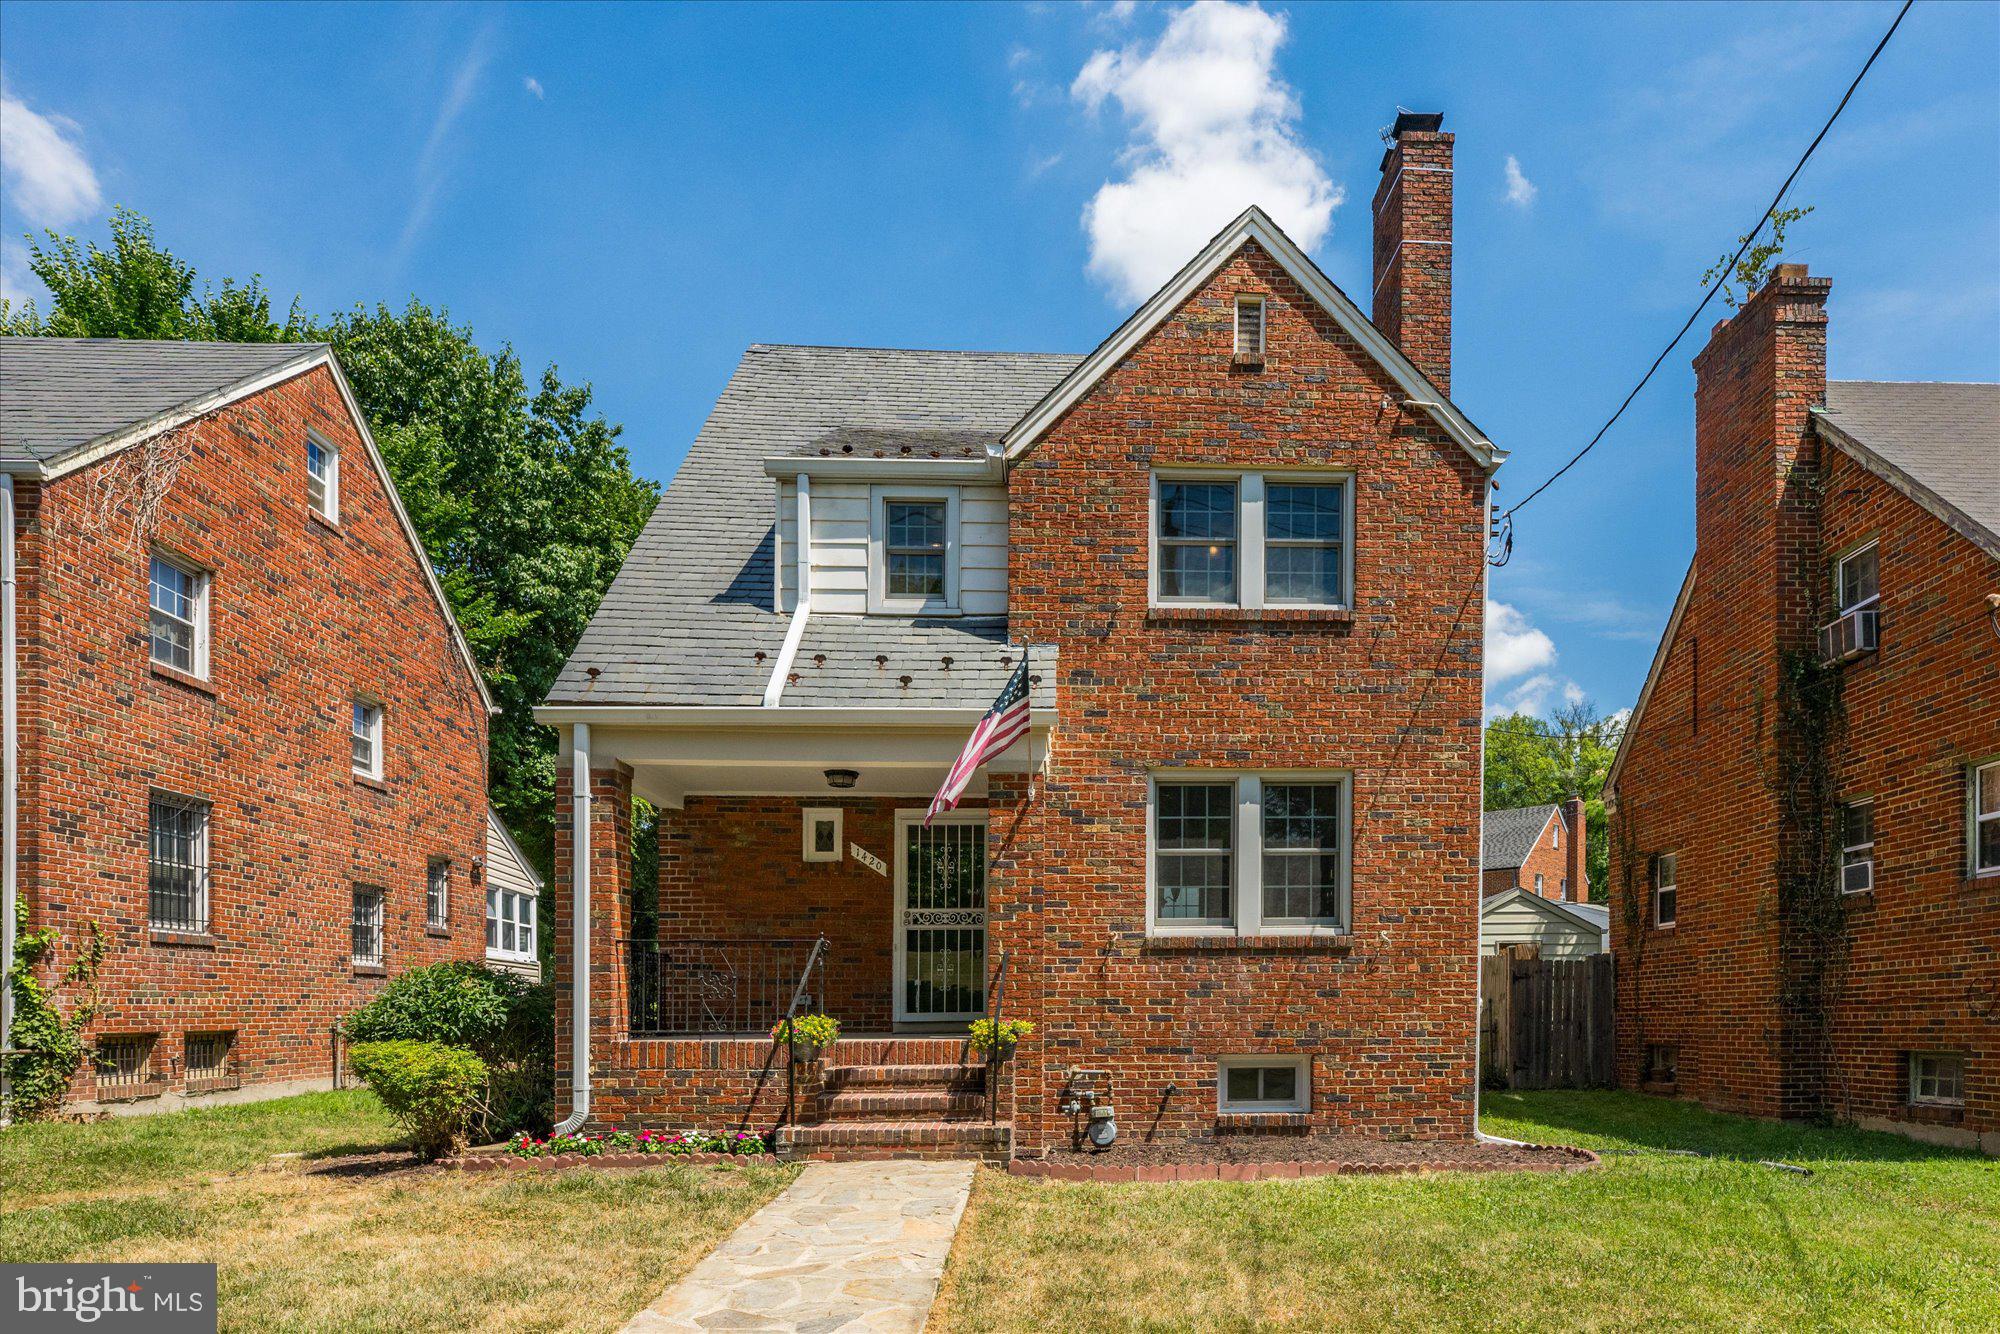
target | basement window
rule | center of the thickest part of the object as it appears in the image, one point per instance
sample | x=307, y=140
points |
x=124, y=1067
x=1666, y=889
x=1662, y=1063
x=179, y=616
x=1249, y=348
x=1937, y=1079
x=1263, y=1084
x=1857, y=847
x=209, y=1063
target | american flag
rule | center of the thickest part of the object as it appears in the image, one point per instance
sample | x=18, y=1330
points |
x=1002, y=726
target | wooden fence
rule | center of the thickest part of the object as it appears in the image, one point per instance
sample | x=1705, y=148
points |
x=1546, y=1023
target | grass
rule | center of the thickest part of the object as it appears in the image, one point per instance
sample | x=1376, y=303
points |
x=1886, y=1234
x=301, y=1248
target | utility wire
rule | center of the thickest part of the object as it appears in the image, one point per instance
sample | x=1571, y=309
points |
x=1507, y=518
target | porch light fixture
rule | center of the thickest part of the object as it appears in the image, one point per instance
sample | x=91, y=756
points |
x=841, y=778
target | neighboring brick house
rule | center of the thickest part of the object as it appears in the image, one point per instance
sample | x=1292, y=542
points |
x=1231, y=873
x=1539, y=849
x=252, y=741
x=1806, y=881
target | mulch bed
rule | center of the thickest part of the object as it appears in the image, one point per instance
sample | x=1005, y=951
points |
x=1255, y=1158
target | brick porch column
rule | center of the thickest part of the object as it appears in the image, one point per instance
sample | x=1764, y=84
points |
x=610, y=918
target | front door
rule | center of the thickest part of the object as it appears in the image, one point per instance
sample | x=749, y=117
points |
x=940, y=917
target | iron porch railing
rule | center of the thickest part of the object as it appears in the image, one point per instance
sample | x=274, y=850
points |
x=733, y=986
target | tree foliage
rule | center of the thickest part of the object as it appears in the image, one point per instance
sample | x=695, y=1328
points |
x=1750, y=271
x=1534, y=761
x=524, y=499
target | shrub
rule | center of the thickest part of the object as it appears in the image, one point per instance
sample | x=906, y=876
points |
x=48, y=1044
x=431, y=1089
x=813, y=1031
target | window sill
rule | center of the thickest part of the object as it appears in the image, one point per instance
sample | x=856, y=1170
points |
x=1985, y=880
x=1935, y=1113
x=152, y=1088
x=1157, y=614
x=181, y=678
x=371, y=782
x=1246, y=361
x=201, y=940
x=439, y=932
x=916, y=612
x=1262, y=1123
x=369, y=970
x=331, y=526
x=1663, y=926
x=1271, y=943
x=493, y=956
x=221, y=1084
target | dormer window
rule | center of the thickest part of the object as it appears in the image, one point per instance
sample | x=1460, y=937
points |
x=1249, y=330
x=913, y=550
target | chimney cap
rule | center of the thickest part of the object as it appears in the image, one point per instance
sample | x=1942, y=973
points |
x=1422, y=122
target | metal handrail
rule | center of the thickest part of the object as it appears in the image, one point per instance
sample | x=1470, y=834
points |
x=816, y=959
x=712, y=986
x=995, y=1053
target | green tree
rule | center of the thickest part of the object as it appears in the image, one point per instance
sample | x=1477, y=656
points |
x=524, y=499
x=1532, y=761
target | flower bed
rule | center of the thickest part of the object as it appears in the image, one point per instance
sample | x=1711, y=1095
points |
x=673, y=1143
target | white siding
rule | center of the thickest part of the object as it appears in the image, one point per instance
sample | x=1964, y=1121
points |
x=841, y=518
x=1521, y=923
x=506, y=871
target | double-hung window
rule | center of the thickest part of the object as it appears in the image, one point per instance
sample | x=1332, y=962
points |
x=323, y=478
x=1252, y=540
x=510, y=924
x=179, y=616
x=367, y=923
x=367, y=738
x=1855, y=579
x=437, y=893
x=1666, y=889
x=913, y=549
x=1984, y=833
x=177, y=864
x=1292, y=874
x=1857, y=847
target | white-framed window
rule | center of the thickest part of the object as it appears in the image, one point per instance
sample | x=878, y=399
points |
x=821, y=834
x=1856, y=579
x=179, y=616
x=1263, y=1084
x=1666, y=888
x=913, y=550
x=1247, y=854
x=1556, y=833
x=367, y=923
x=177, y=863
x=1983, y=819
x=1252, y=540
x=1937, y=1078
x=1857, y=847
x=437, y=893
x=367, y=738
x=1249, y=344
x=1564, y=889
x=1538, y=885
x=510, y=924
x=323, y=478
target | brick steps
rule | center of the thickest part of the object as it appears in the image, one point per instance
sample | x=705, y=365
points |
x=846, y=1140
x=877, y=1077
x=903, y=1104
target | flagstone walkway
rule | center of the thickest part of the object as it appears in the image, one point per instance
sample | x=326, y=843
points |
x=847, y=1246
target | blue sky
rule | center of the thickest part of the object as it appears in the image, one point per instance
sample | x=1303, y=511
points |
x=636, y=193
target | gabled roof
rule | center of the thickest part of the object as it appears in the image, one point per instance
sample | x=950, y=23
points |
x=1631, y=728
x=498, y=826
x=1252, y=225
x=1511, y=835
x=66, y=403
x=1589, y=916
x=693, y=604
x=1939, y=444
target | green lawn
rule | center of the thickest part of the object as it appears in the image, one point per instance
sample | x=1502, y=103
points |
x=1885, y=1234
x=302, y=1248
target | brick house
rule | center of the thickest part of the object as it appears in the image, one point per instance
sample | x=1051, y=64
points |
x=1806, y=878
x=251, y=740
x=1230, y=873
x=1539, y=849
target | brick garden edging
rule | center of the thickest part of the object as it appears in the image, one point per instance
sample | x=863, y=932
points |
x=507, y=1162
x=1562, y=1158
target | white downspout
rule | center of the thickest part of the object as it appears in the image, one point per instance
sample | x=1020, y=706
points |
x=579, y=932
x=774, y=689
x=9, y=784
x=1479, y=873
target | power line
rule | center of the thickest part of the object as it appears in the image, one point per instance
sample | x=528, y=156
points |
x=1507, y=518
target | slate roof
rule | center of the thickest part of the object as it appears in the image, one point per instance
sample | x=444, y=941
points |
x=60, y=395
x=1937, y=443
x=1510, y=836
x=691, y=607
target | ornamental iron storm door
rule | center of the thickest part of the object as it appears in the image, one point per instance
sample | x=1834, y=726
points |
x=941, y=918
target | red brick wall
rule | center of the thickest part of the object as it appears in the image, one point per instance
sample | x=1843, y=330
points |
x=1548, y=860
x=1698, y=775
x=1392, y=694
x=303, y=615
x=1413, y=251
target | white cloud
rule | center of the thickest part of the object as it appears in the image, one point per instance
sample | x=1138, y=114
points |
x=1573, y=693
x=1531, y=697
x=534, y=86
x=18, y=283
x=431, y=166
x=1520, y=190
x=1215, y=130
x=43, y=165
x=1115, y=14
x=1513, y=646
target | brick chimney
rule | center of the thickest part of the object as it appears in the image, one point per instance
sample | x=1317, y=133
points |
x=1576, y=865
x=1413, y=244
